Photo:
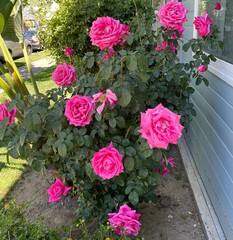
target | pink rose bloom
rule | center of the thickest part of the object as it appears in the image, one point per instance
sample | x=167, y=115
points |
x=64, y=75
x=57, y=190
x=109, y=54
x=68, y=51
x=172, y=14
x=217, y=6
x=160, y=126
x=202, y=24
x=107, y=162
x=107, y=32
x=79, y=110
x=108, y=98
x=4, y=113
x=201, y=68
x=125, y=221
x=165, y=45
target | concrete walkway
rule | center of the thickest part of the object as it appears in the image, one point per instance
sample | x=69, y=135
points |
x=37, y=67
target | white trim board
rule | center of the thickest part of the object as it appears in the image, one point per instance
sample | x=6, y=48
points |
x=208, y=216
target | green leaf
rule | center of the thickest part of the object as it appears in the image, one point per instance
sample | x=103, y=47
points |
x=13, y=153
x=129, y=163
x=130, y=151
x=82, y=131
x=37, y=165
x=132, y=63
x=147, y=153
x=134, y=198
x=112, y=122
x=186, y=46
x=120, y=121
x=62, y=150
x=143, y=173
x=98, y=117
x=128, y=189
x=90, y=62
x=2, y=23
x=22, y=138
x=124, y=97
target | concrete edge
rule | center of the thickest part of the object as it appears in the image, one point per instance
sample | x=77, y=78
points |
x=212, y=227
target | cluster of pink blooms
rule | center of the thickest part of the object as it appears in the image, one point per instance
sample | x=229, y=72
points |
x=125, y=222
x=164, y=164
x=4, y=113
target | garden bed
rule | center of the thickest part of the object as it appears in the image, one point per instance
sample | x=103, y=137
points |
x=175, y=216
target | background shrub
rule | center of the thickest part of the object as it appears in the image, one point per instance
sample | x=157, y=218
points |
x=70, y=25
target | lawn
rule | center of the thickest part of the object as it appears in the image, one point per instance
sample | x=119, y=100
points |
x=33, y=57
x=10, y=173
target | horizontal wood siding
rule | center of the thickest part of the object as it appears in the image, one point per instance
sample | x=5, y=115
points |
x=210, y=137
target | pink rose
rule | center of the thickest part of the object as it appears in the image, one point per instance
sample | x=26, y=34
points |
x=108, y=98
x=160, y=126
x=107, y=162
x=107, y=32
x=201, y=68
x=68, y=51
x=165, y=45
x=125, y=221
x=202, y=24
x=172, y=14
x=4, y=113
x=217, y=6
x=57, y=190
x=64, y=75
x=79, y=110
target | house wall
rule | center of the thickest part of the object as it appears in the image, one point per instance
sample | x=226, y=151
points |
x=210, y=137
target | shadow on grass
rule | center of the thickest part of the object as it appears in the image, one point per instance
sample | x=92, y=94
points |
x=43, y=74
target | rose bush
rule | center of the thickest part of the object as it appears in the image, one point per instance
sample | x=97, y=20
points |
x=108, y=134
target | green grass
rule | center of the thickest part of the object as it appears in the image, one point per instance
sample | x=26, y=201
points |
x=34, y=57
x=43, y=80
x=10, y=173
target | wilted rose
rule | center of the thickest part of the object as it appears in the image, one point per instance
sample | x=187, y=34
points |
x=107, y=162
x=79, y=110
x=105, y=98
x=64, y=75
x=57, y=190
x=125, y=221
x=160, y=126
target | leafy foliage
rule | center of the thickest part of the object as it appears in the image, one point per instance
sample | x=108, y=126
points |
x=70, y=25
x=141, y=77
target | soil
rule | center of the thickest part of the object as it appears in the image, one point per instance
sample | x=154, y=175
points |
x=174, y=217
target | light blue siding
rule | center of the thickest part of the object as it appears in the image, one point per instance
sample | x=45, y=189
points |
x=210, y=137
